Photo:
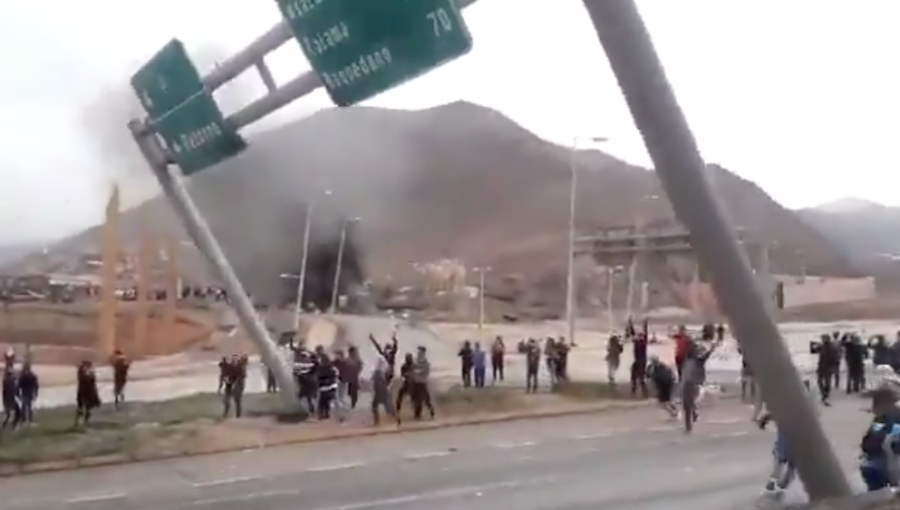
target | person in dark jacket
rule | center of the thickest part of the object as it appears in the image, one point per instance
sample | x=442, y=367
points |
x=829, y=357
x=12, y=411
x=881, y=351
x=498, y=352
x=466, y=363
x=639, y=365
x=29, y=387
x=663, y=379
x=388, y=352
x=235, y=384
x=855, y=354
x=327, y=377
x=350, y=369
x=87, y=396
x=532, y=365
x=405, y=382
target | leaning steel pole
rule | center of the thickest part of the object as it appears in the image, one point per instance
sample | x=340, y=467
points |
x=674, y=152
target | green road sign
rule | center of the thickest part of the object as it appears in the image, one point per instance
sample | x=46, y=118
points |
x=197, y=135
x=183, y=112
x=362, y=48
x=167, y=80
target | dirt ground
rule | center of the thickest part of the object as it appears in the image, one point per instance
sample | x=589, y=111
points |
x=192, y=424
x=65, y=334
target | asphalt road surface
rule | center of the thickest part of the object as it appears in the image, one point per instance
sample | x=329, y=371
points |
x=631, y=459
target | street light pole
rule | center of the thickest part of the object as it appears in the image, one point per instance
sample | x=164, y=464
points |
x=340, y=262
x=481, y=270
x=680, y=168
x=301, y=278
x=570, y=256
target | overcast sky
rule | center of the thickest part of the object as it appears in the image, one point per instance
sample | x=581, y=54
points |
x=800, y=96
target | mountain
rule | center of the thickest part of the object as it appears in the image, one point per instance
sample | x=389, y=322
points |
x=867, y=232
x=457, y=181
x=10, y=253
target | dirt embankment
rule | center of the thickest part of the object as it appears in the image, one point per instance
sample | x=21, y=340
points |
x=65, y=334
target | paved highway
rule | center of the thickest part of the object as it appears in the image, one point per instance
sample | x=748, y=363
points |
x=631, y=459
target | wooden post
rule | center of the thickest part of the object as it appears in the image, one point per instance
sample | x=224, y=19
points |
x=108, y=304
x=143, y=288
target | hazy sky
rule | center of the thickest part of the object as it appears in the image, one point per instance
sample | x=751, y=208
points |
x=801, y=96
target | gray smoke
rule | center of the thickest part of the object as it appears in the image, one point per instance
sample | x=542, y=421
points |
x=259, y=222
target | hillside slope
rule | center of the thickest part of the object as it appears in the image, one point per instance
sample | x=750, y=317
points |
x=458, y=180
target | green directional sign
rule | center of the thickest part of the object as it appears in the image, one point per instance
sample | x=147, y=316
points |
x=197, y=135
x=167, y=80
x=362, y=48
x=183, y=112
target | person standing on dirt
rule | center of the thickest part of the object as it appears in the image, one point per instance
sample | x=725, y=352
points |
x=353, y=367
x=562, y=359
x=120, y=365
x=693, y=380
x=639, y=365
x=855, y=354
x=29, y=386
x=551, y=359
x=419, y=377
x=12, y=411
x=87, y=396
x=233, y=390
x=614, y=350
x=479, y=365
x=388, y=352
x=381, y=393
x=223, y=370
x=405, y=382
x=466, y=363
x=498, y=352
x=327, y=378
x=829, y=358
x=532, y=365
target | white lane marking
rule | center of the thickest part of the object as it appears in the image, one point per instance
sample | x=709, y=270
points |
x=427, y=455
x=522, y=444
x=334, y=467
x=224, y=481
x=731, y=434
x=95, y=498
x=723, y=421
x=600, y=435
x=243, y=497
x=661, y=428
x=436, y=495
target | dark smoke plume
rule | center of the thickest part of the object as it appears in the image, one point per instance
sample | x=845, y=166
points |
x=259, y=222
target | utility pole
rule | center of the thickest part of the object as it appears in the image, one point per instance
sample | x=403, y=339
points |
x=671, y=145
x=185, y=126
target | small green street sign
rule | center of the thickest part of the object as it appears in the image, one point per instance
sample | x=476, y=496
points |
x=167, y=80
x=362, y=48
x=197, y=135
x=183, y=112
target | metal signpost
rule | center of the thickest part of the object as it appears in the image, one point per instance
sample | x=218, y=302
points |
x=680, y=169
x=356, y=51
x=183, y=112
